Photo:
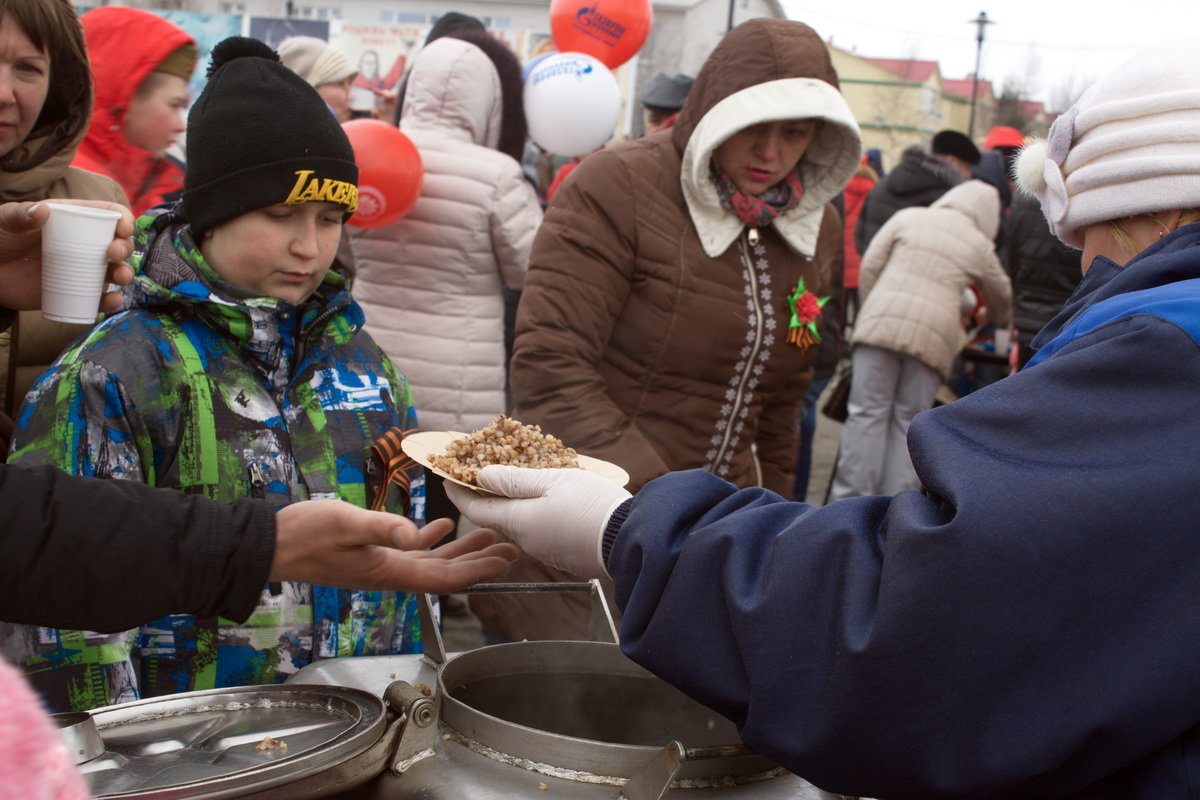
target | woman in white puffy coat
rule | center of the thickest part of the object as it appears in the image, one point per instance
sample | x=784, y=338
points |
x=431, y=284
x=909, y=329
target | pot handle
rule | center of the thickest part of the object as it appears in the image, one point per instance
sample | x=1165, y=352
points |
x=417, y=726
x=604, y=629
x=653, y=780
x=431, y=633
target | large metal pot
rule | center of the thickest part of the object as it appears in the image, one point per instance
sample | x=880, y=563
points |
x=556, y=720
x=530, y=719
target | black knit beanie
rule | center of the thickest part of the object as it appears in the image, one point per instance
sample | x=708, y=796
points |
x=953, y=143
x=260, y=135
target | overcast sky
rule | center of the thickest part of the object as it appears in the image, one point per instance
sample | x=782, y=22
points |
x=1060, y=45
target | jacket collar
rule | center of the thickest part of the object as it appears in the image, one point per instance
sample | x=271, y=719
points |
x=179, y=281
x=34, y=183
x=1161, y=263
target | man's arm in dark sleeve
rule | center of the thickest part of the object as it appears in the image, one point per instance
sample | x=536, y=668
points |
x=989, y=637
x=100, y=555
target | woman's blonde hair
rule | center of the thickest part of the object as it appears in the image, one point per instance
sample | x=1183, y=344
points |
x=1124, y=238
x=865, y=171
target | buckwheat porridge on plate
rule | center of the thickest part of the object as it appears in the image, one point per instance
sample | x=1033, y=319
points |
x=504, y=441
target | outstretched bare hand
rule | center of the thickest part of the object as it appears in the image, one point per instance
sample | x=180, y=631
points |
x=333, y=543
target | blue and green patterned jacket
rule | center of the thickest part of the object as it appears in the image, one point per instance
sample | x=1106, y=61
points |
x=200, y=386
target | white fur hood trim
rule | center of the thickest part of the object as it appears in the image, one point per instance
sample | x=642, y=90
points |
x=825, y=169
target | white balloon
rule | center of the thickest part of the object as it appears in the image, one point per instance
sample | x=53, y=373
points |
x=571, y=103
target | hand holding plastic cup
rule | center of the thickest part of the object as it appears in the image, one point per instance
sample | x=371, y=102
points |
x=75, y=244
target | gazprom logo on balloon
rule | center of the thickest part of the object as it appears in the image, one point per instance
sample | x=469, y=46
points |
x=591, y=22
x=574, y=66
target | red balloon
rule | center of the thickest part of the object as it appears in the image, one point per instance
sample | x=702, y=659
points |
x=611, y=31
x=390, y=172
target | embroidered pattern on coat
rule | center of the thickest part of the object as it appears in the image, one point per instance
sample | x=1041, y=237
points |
x=747, y=372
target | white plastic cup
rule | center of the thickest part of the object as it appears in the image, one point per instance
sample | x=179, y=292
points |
x=1002, y=338
x=74, y=261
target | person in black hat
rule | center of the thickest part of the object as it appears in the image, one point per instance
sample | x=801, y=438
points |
x=238, y=368
x=957, y=150
x=662, y=97
x=920, y=178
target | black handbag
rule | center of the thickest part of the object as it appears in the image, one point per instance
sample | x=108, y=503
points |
x=837, y=401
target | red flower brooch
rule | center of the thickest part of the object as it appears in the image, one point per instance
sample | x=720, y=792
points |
x=806, y=310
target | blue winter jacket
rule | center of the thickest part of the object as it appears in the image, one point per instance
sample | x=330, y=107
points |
x=1027, y=626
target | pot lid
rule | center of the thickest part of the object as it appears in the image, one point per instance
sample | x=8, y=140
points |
x=225, y=743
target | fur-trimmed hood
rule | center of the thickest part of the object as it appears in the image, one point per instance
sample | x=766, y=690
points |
x=762, y=71
x=465, y=86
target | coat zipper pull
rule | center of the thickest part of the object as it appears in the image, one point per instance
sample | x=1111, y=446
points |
x=371, y=471
x=258, y=485
x=752, y=237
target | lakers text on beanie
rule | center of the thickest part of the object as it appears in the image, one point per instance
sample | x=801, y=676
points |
x=259, y=136
x=1129, y=146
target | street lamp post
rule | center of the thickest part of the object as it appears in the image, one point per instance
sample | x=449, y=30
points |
x=982, y=22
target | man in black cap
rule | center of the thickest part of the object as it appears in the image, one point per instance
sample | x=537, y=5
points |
x=919, y=179
x=662, y=97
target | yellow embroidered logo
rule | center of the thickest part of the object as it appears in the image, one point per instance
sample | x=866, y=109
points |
x=309, y=189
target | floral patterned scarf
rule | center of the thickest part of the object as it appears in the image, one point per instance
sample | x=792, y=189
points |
x=758, y=209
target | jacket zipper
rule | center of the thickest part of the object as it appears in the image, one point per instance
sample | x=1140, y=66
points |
x=372, y=476
x=752, y=356
x=303, y=336
x=258, y=486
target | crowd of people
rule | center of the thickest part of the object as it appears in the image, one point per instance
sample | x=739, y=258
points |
x=991, y=604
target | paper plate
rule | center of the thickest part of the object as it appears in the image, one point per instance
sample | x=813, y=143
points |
x=423, y=446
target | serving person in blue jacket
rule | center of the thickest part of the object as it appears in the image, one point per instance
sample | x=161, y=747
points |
x=1028, y=623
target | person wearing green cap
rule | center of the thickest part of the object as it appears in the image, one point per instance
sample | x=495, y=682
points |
x=141, y=64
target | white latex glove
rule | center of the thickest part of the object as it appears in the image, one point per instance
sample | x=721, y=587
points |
x=555, y=515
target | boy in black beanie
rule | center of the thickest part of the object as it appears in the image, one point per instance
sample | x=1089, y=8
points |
x=256, y=138
x=237, y=368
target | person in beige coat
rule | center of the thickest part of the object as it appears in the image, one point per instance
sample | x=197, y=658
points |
x=434, y=284
x=431, y=283
x=909, y=329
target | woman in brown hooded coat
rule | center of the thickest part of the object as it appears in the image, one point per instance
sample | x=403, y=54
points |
x=659, y=326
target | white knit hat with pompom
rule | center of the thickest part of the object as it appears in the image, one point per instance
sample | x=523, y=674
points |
x=1130, y=145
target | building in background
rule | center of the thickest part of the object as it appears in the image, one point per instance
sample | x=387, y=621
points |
x=900, y=102
x=958, y=98
x=897, y=102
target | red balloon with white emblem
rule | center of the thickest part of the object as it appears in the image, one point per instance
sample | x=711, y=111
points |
x=390, y=172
